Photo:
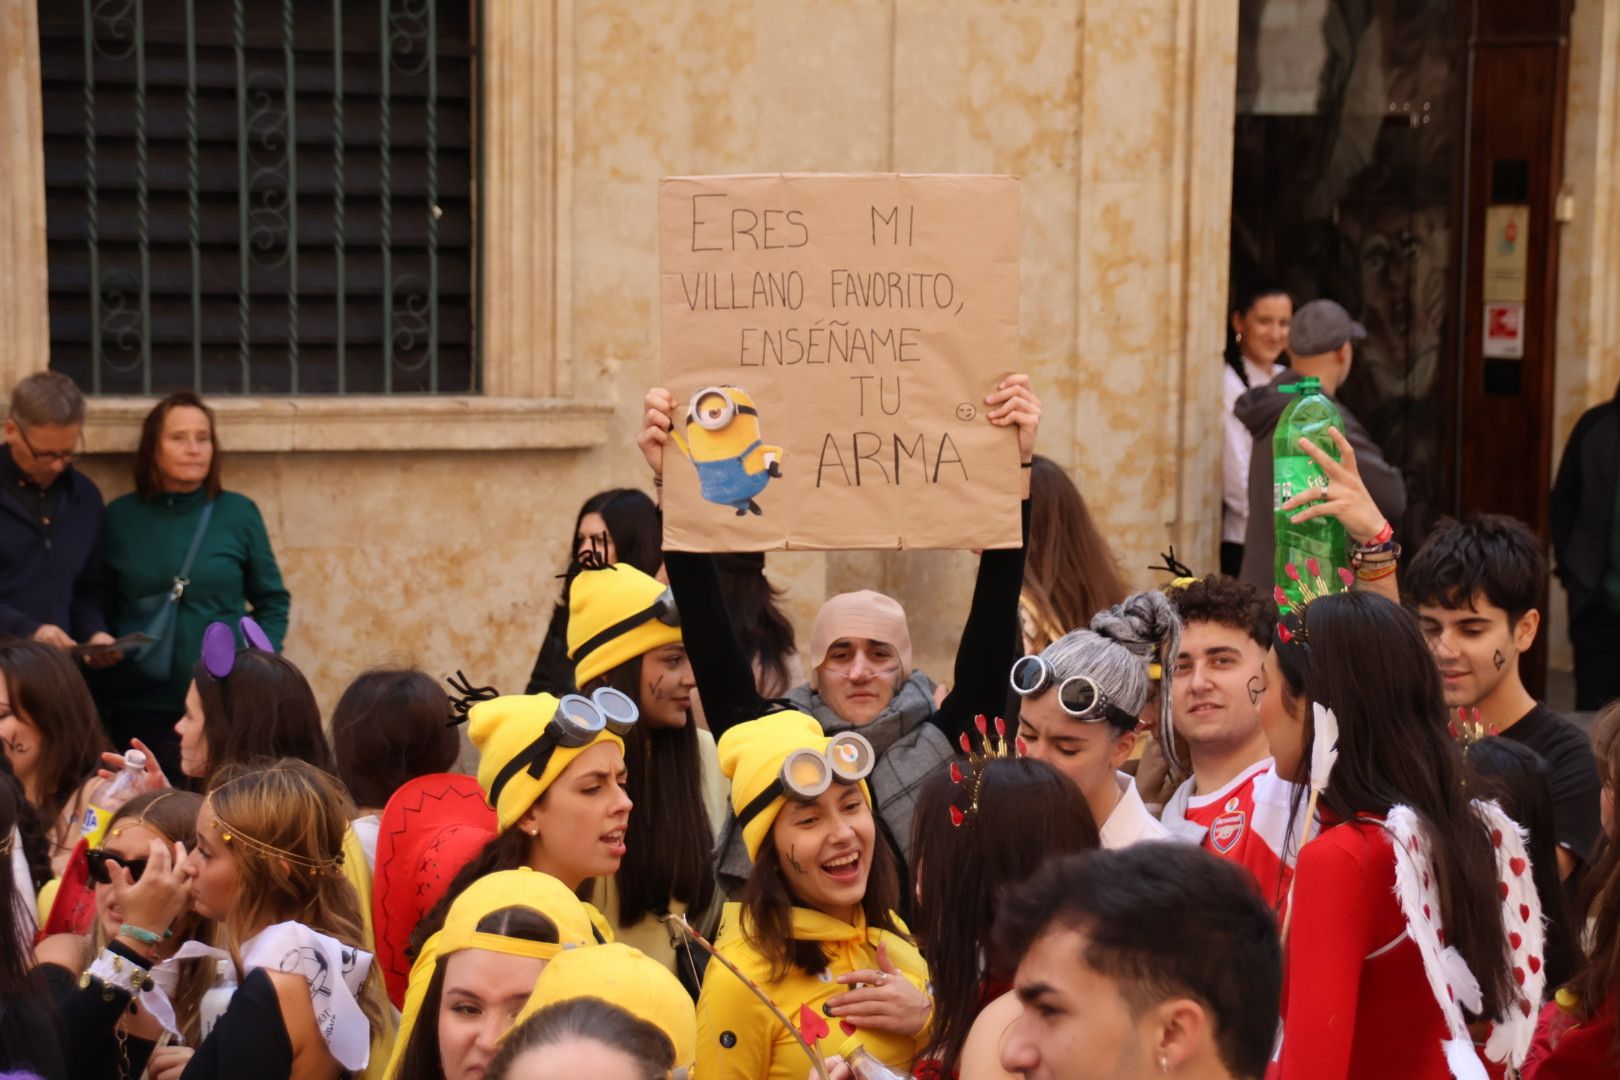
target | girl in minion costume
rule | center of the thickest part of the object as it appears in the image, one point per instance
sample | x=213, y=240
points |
x=814, y=927
x=553, y=771
x=623, y=977
x=624, y=634
x=472, y=976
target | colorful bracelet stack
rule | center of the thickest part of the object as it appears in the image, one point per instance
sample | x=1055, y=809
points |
x=1378, y=559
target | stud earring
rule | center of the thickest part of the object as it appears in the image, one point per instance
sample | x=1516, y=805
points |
x=1164, y=1063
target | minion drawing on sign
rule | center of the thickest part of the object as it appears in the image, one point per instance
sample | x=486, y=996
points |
x=722, y=439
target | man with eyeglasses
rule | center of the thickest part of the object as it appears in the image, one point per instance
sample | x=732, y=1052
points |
x=50, y=521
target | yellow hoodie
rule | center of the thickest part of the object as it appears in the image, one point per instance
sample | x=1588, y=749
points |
x=738, y=1038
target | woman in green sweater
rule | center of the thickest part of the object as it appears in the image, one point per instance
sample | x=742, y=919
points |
x=148, y=534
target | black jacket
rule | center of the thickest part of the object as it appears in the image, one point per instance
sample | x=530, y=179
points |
x=52, y=576
x=1582, y=509
x=1260, y=409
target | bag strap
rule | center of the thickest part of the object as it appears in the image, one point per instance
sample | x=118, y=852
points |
x=196, y=540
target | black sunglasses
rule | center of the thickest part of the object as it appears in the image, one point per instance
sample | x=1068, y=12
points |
x=101, y=875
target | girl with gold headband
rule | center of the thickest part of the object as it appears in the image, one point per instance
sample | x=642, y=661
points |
x=112, y=1038
x=267, y=866
x=592, y=1013
x=474, y=975
x=553, y=770
x=815, y=926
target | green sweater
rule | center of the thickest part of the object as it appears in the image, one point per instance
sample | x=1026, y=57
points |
x=235, y=574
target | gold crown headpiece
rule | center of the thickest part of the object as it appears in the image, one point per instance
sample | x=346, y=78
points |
x=1291, y=626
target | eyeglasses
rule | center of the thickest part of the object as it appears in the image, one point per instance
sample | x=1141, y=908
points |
x=99, y=860
x=1078, y=695
x=48, y=457
x=807, y=773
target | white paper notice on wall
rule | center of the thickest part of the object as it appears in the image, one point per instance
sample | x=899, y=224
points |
x=829, y=341
x=1504, y=331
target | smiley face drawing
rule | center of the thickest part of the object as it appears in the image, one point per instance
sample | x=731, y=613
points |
x=722, y=440
x=966, y=412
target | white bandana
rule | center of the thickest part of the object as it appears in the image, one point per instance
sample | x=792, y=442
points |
x=336, y=974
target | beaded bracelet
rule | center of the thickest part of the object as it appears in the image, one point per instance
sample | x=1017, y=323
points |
x=1384, y=570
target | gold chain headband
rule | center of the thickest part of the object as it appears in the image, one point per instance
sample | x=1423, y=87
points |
x=233, y=835
x=144, y=820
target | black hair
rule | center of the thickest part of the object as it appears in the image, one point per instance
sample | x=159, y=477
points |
x=422, y=1059
x=766, y=633
x=263, y=709
x=1395, y=748
x=594, y=1019
x=388, y=728
x=1243, y=302
x=1517, y=778
x=1228, y=602
x=1163, y=920
x=14, y=920
x=36, y=846
x=632, y=521
x=1016, y=814
x=1488, y=554
x=669, y=842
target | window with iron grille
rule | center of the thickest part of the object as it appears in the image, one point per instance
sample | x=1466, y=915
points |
x=261, y=198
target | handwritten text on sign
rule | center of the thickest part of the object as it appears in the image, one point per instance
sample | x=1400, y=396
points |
x=830, y=340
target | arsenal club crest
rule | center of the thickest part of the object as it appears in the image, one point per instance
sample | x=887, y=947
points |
x=1227, y=830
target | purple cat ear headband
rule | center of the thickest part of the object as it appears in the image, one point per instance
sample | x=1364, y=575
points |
x=219, y=645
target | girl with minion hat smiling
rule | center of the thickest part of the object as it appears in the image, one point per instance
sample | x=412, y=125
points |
x=568, y=1027
x=624, y=635
x=553, y=770
x=474, y=975
x=815, y=926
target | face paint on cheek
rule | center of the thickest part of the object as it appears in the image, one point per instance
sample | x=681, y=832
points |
x=1257, y=689
x=793, y=860
x=1499, y=660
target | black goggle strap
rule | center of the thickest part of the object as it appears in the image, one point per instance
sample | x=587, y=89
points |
x=756, y=806
x=533, y=757
x=1101, y=708
x=662, y=609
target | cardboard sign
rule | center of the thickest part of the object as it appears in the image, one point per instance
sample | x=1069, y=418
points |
x=830, y=340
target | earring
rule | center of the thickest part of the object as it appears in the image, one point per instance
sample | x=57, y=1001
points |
x=1164, y=1063
x=1239, y=335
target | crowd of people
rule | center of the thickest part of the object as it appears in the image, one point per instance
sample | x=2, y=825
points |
x=1193, y=830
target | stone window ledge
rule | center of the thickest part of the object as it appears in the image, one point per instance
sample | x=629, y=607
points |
x=340, y=424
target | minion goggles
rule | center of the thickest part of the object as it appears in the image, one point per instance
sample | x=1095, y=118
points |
x=727, y=414
x=807, y=773
x=1078, y=695
x=577, y=721
x=663, y=609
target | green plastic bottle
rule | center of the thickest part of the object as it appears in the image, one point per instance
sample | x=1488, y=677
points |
x=1315, y=551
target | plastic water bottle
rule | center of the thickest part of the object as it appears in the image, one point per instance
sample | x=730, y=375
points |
x=1319, y=543
x=217, y=998
x=865, y=1066
x=113, y=794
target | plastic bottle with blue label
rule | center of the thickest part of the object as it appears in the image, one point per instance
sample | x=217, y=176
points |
x=113, y=794
x=1314, y=550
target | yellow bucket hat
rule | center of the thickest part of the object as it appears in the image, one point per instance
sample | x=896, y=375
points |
x=614, y=615
x=764, y=758
x=513, y=736
x=521, y=888
x=621, y=976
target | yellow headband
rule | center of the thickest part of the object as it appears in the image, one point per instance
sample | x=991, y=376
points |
x=504, y=728
x=620, y=975
x=521, y=888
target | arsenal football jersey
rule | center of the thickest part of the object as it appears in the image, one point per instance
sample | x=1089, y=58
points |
x=1246, y=821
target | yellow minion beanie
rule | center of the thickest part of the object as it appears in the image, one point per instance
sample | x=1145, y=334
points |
x=520, y=888
x=505, y=729
x=751, y=757
x=621, y=976
x=613, y=617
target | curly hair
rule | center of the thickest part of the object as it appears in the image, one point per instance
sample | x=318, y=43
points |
x=1227, y=601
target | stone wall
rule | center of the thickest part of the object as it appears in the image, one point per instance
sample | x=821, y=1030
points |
x=1117, y=115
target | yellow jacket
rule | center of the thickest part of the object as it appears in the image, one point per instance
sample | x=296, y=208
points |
x=738, y=1038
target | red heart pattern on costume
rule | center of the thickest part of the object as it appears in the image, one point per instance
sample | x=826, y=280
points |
x=812, y=1026
x=1524, y=912
x=1535, y=963
x=1518, y=975
x=846, y=1027
x=1496, y=837
x=1517, y=866
x=1515, y=940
